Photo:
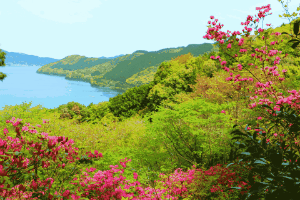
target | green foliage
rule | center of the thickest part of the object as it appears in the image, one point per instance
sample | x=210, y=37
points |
x=284, y=46
x=273, y=156
x=108, y=119
x=21, y=111
x=142, y=78
x=258, y=148
x=130, y=102
x=73, y=109
x=111, y=157
x=2, y=63
x=2, y=76
x=292, y=75
x=96, y=73
x=175, y=77
x=282, y=24
x=97, y=112
x=183, y=130
x=183, y=58
x=287, y=13
x=296, y=42
x=76, y=62
x=206, y=57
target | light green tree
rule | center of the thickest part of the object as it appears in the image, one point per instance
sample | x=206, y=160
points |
x=296, y=23
x=287, y=14
x=2, y=59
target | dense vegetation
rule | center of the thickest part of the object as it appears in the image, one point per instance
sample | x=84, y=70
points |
x=149, y=123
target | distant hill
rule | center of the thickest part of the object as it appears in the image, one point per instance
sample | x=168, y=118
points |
x=13, y=58
x=22, y=59
x=121, y=72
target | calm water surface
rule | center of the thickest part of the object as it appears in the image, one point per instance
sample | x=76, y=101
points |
x=23, y=84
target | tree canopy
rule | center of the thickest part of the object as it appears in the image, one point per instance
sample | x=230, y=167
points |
x=2, y=59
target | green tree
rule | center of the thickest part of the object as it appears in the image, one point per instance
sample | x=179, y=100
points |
x=2, y=59
x=130, y=102
x=296, y=23
x=287, y=14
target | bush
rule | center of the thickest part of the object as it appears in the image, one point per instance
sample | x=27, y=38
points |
x=185, y=132
x=97, y=112
x=108, y=119
x=130, y=102
x=73, y=109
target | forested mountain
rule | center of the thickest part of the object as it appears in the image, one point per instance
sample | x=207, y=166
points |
x=13, y=58
x=123, y=72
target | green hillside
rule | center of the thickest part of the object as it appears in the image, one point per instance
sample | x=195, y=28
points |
x=118, y=73
x=126, y=69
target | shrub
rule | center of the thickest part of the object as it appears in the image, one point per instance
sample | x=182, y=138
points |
x=97, y=112
x=108, y=119
x=73, y=109
x=184, y=131
x=130, y=102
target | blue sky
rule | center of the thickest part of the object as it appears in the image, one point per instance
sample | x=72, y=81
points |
x=95, y=28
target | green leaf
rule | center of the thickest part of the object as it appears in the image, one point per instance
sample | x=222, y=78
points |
x=296, y=28
x=295, y=44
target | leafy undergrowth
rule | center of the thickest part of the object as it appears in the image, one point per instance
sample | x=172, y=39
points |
x=116, y=140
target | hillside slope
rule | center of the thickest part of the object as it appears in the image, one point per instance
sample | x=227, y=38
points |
x=118, y=73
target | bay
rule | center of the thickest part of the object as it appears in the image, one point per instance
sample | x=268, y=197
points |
x=23, y=84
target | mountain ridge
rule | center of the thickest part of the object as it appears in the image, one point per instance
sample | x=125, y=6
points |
x=118, y=73
x=23, y=59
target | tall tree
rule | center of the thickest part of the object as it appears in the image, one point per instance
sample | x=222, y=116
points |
x=2, y=59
